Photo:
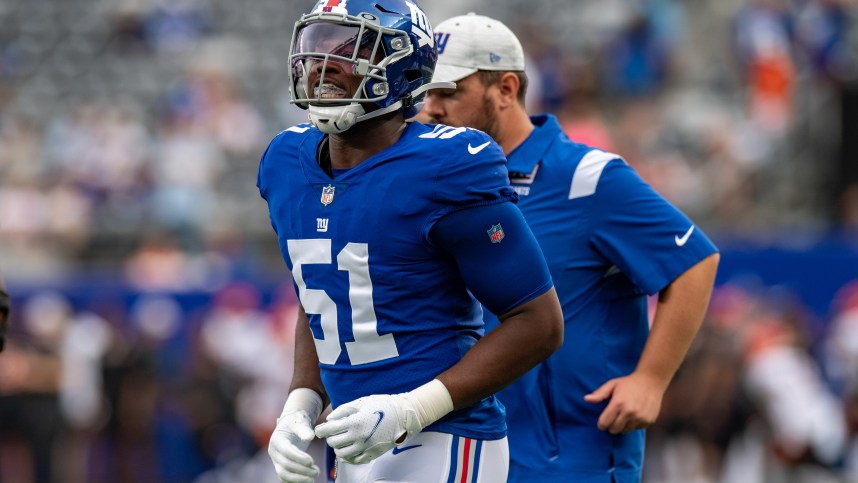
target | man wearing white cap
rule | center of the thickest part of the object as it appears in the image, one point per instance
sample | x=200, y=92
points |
x=610, y=240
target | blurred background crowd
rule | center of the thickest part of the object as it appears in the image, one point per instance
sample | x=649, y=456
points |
x=150, y=335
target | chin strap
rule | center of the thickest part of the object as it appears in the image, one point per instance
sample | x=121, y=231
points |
x=335, y=119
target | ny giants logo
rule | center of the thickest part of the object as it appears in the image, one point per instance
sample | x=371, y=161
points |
x=441, y=40
x=420, y=26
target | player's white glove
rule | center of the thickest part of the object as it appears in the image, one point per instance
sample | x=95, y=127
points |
x=364, y=429
x=294, y=432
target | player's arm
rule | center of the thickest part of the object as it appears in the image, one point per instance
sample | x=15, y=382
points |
x=510, y=277
x=5, y=305
x=661, y=251
x=307, y=397
x=306, y=373
x=528, y=334
x=635, y=400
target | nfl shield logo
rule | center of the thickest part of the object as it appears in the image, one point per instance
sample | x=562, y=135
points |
x=328, y=195
x=496, y=233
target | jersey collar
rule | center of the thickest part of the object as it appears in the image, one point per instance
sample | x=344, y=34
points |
x=529, y=153
x=315, y=173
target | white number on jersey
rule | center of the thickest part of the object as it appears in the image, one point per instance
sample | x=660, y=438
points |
x=443, y=132
x=300, y=128
x=368, y=346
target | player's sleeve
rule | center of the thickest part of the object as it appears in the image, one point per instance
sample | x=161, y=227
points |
x=497, y=254
x=643, y=234
x=286, y=143
x=261, y=178
x=464, y=180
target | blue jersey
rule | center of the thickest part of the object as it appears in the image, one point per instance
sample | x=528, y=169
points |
x=610, y=240
x=389, y=309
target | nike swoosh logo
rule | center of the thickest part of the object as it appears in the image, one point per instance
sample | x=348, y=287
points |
x=475, y=150
x=380, y=417
x=680, y=241
x=397, y=449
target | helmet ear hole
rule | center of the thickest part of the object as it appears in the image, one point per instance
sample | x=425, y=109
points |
x=412, y=75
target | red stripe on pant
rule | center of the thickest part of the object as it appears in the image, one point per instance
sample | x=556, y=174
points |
x=466, y=458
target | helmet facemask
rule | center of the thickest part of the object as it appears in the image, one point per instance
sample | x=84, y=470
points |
x=356, y=46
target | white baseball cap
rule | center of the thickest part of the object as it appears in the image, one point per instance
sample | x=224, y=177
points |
x=472, y=42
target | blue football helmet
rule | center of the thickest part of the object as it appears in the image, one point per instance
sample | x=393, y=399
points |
x=389, y=43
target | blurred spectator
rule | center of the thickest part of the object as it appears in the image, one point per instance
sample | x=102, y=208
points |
x=185, y=173
x=30, y=382
x=554, y=79
x=158, y=264
x=177, y=24
x=822, y=27
x=764, y=43
x=210, y=101
x=636, y=61
x=841, y=357
x=21, y=155
x=805, y=418
x=84, y=345
x=581, y=118
x=127, y=25
x=841, y=346
x=102, y=148
x=164, y=262
x=234, y=335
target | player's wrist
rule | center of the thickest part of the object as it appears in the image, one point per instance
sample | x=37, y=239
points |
x=303, y=399
x=431, y=401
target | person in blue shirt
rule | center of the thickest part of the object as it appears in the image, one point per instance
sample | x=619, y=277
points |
x=610, y=241
x=395, y=233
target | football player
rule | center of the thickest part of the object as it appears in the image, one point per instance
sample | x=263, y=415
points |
x=394, y=233
x=610, y=240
